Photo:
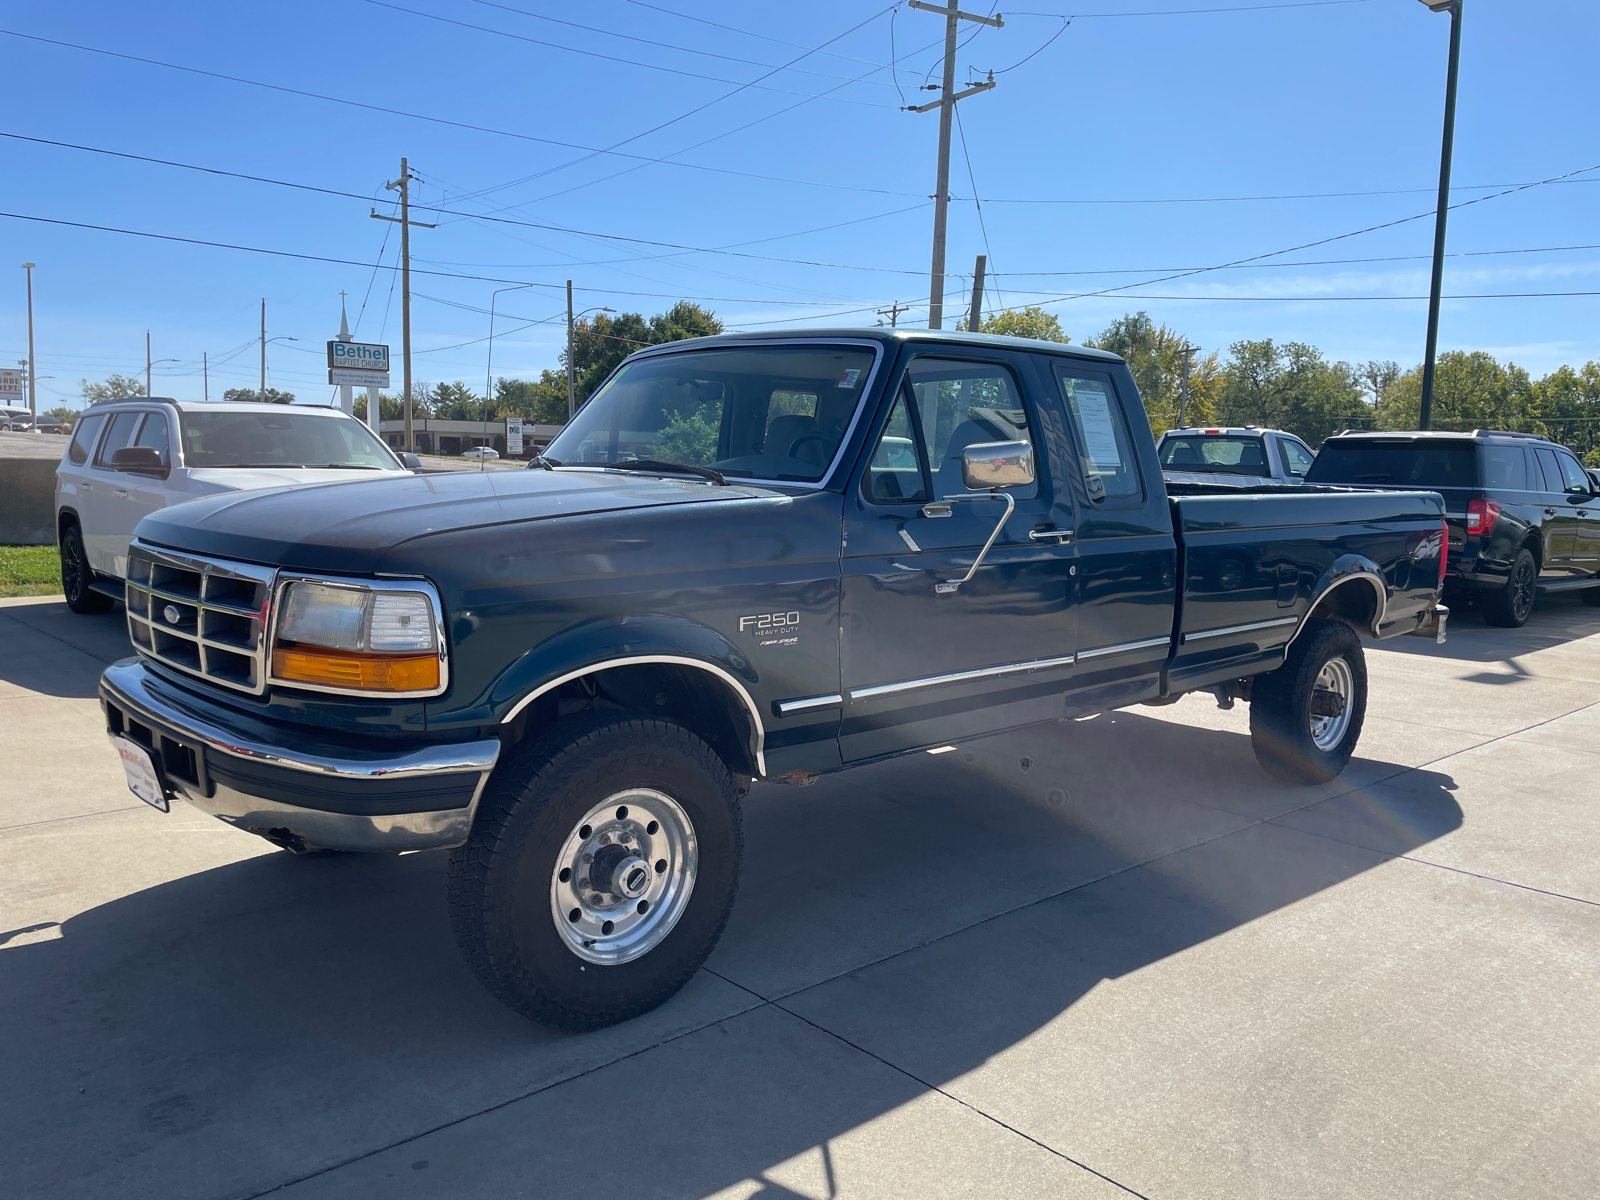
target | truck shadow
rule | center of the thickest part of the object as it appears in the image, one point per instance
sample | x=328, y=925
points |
x=1556, y=620
x=265, y=1020
x=51, y=650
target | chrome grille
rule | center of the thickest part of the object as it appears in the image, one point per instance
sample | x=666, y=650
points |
x=205, y=616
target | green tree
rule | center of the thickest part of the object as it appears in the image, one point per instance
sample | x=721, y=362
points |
x=1290, y=387
x=1155, y=356
x=1029, y=322
x=455, y=402
x=115, y=387
x=65, y=415
x=542, y=401
x=1567, y=402
x=1470, y=391
x=254, y=395
x=603, y=342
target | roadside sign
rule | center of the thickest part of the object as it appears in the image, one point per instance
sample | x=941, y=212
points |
x=358, y=378
x=10, y=385
x=358, y=356
x=513, y=435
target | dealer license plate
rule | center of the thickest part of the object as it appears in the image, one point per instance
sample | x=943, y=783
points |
x=143, y=781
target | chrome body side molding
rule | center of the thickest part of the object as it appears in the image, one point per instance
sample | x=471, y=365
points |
x=1227, y=630
x=1147, y=644
x=788, y=708
x=887, y=689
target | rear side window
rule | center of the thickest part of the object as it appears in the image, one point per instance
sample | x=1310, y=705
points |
x=1403, y=464
x=83, y=438
x=1105, y=448
x=119, y=435
x=1550, y=472
x=1505, y=467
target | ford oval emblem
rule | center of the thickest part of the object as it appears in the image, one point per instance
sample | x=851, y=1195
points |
x=172, y=615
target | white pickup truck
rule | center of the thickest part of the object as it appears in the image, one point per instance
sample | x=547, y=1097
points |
x=1235, y=456
x=130, y=458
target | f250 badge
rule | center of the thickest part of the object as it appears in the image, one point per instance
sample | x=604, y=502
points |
x=772, y=629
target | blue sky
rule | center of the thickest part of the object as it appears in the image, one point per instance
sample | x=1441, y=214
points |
x=1127, y=149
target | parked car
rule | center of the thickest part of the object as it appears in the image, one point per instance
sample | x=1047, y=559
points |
x=15, y=420
x=868, y=543
x=1233, y=457
x=45, y=423
x=488, y=453
x=1524, y=515
x=130, y=458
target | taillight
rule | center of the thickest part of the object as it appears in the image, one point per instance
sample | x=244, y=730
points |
x=1444, y=551
x=1481, y=516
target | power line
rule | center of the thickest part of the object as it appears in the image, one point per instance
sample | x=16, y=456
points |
x=1195, y=12
x=606, y=57
x=747, y=33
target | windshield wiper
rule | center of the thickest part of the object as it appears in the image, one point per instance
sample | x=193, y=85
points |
x=667, y=468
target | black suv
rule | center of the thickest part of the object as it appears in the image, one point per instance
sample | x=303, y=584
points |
x=1523, y=513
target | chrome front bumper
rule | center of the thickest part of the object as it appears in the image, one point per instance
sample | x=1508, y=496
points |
x=221, y=773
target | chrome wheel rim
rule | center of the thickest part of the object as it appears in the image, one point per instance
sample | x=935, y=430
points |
x=624, y=876
x=1336, y=678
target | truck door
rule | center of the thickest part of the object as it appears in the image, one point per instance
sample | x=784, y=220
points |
x=1560, y=522
x=103, y=496
x=1583, y=512
x=921, y=664
x=1127, y=554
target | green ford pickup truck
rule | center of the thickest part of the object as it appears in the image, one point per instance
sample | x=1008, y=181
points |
x=747, y=558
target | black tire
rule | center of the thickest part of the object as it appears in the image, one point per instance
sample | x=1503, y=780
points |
x=1284, y=731
x=502, y=881
x=1509, y=607
x=76, y=575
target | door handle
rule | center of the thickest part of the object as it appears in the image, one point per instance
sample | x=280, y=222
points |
x=937, y=510
x=1549, y=512
x=1583, y=512
x=1059, y=536
x=120, y=493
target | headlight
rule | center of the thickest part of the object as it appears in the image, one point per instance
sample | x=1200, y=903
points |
x=356, y=638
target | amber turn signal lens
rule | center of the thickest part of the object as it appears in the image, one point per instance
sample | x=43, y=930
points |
x=359, y=672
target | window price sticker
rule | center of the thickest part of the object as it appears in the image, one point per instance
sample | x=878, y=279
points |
x=848, y=379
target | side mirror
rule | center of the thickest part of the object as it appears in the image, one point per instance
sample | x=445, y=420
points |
x=141, y=460
x=989, y=465
x=411, y=461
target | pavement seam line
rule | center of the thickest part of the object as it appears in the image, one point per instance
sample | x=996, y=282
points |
x=5, y=829
x=497, y=1106
x=972, y=1108
x=28, y=625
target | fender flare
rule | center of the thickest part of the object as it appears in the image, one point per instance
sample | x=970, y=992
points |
x=633, y=641
x=1348, y=570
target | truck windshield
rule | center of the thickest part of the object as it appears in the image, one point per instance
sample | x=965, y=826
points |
x=760, y=412
x=1403, y=463
x=1217, y=454
x=281, y=439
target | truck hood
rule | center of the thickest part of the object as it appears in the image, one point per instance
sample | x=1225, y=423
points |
x=348, y=526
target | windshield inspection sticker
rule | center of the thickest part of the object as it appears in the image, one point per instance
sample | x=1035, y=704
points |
x=772, y=629
x=848, y=379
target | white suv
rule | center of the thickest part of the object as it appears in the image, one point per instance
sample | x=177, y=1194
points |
x=132, y=457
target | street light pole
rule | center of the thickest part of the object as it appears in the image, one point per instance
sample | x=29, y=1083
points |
x=33, y=363
x=1453, y=7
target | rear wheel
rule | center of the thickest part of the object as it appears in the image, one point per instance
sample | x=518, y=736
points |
x=76, y=575
x=600, y=871
x=1306, y=717
x=1511, y=606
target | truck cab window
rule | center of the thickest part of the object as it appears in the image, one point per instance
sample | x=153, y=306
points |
x=1105, y=448
x=959, y=404
x=895, y=474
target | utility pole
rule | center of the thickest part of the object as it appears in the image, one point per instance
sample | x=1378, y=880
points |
x=205, y=374
x=946, y=104
x=572, y=370
x=146, y=362
x=405, y=222
x=1188, y=353
x=1453, y=7
x=893, y=313
x=976, y=319
x=33, y=363
x=263, y=349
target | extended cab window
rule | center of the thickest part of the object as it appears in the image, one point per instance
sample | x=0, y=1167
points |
x=1105, y=447
x=83, y=438
x=756, y=411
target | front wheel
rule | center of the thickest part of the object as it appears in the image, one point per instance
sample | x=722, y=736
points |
x=1306, y=716
x=600, y=871
x=76, y=575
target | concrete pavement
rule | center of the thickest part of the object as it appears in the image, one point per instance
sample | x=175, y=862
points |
x=1088, y=959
